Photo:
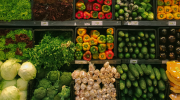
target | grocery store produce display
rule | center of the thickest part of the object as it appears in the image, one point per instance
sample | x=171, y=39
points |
x=15, y=43
x=134, y=10
x=94, y=43
x=168, y=9
x=136, y=44
x=96, y=84
x=14, y=79
x=140, y=82
x=12, y=10
x=93, y=9
x=169, y=43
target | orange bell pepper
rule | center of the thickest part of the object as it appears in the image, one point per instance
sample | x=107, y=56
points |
x=167, y=2
x=93, y=41
x=174, y=2
x=174, y=8
x=94, y=34
x=167, y=9
x=161, y=16
x=160, y=9
x=110, y=46
x=102, y=56
x=169, y=16
x=79, y=39
x=86, y=38
x=176, y=15
x=81, y=31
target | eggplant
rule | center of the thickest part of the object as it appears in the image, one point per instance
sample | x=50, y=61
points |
x=162, y=56
x=164, y=32
x=172, y=39
x=172, y=56
x=173, y=31
x=178, y=35
x=171, y=47
x=163, y=39
x=162, y=48
x=178, y=50
x=178, y=43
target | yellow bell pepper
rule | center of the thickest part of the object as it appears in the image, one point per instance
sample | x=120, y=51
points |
x=169, y=16
x=161, y=15
x=102, y=56
x=174, y=2
x=110, y=31
x=86, y=46
x=160, y=9
x=167, y=2
x=94, y=34
x=86, y=38
x=176, y=15
x=95, y=56
x=167, y=9
x=93, y=41
x=174, y=8
x=79, y=39
x=81, y=31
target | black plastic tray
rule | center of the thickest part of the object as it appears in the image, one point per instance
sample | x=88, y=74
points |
x=153, y=9
x=85, y=1
x=71, y=30
x=98, y=28
x=156, y=38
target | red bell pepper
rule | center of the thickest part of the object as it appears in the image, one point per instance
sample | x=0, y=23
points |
x=87, y=56
x=91, y=0
x=108, y=15
x=109, y=54
x=81, y=1
x=89, y=6
x=79, y=14
x=100, y=1
x=108, y=2
x=96, y=7
x=87, y=15
x=101, y=15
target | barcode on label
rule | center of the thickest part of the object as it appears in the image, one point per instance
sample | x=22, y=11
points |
x=87, y=24
x=133, y=61
x=172, y=23
x=133, y=23
x=44, y=23
x=97, y=22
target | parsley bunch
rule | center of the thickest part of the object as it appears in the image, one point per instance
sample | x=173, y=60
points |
x=52, y=53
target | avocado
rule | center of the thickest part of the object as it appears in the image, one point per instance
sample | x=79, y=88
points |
x=135, y=83
x=134, y=44
x=152, y=56
x=161, y=95
x=125, y=91
x=146, y=43
x=121, y=55
x=140, y=55
x=120, y=39
x=122, y=44
x=152, y=36
x=152, y=45
x=144, y=96
x=125, y=49
x=128, y=83
x=136, y=50
x=130, y=92
x=122, y=84
x=146, y=35
x=129, y=44
x=126, y=34
x=156, y=90
x=127, y=55
x=120, y=49
x=124, y=67
x=130, y=49
x=149, y=95
x=134, y=56
x=161, y=85
x=150, y=88
x=152, y=50
x=121, y=34
x=139, y=44
x=144, y=50
x=146, y=56
x=132, y=38
x=127, y=39
x=141, y=34
x=124, y=76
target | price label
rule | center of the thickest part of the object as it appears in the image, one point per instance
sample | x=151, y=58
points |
x=87, y=24
x=172, y=23
x=44, y=23
x=133, y=23
x=97, y=22
x=133, y=61
x=81, y=62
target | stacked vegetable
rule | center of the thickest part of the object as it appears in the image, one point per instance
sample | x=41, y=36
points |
x=141, y=82
x=139, y=44
x=136, y=10
x=12, y=10
x=13, y=86
x=53, y=86
x=15, y=43
x=94, y=9
x=88, y=43
x=168, y=9
x=87, y=84
x=173, y=76
x=169, y=44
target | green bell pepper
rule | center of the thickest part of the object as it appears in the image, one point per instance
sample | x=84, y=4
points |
x=102, y=48
x=144, y=14
x=110, y=39
x=94, y=49
x=101, y=39
x=106, y=9
x=160, y=3
x=149, y=6
x=150, y=16
x=78, y=55
x=140, y=10
x=143, y=5
x=79, y=46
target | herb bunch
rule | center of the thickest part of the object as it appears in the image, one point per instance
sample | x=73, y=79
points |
x=52, y=53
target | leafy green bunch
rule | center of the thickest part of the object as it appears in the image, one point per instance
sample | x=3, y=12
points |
x=15, y=10
x=52, y=53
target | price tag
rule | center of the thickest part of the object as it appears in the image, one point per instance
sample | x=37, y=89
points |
x=44, y=23
x=172, y=23
x=81, y=62
x=97, y=22
x=133, y=61
x=87, y=24
x=133, y=23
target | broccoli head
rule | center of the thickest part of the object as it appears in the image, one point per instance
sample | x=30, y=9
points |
x=65, y=93
x=57, y=97
x=40, y=93
x=33, y=98
x=53, y=75
x=65, y=79
x=44, y=83
x=51, y=92
x=46, y=98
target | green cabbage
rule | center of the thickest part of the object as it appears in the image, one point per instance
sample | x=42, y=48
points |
x=5, y=83
x=22, y=84
x=10, y=93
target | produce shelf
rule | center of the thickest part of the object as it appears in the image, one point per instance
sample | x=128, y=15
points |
x=141, y=61
x=116, y=61
x=151, y=23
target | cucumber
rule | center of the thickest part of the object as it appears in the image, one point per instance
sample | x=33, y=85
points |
x=150, y=88
x=128, y=83
x=122, y=84
x=161, y=85
x=144, y=96
x=148, y=81
x=161, y=95
x=157, y=73
x=139, y=69
x=119, y=69
x=124, y=67
x=134, y=70
x=144, y=69
x=155, y=82
x=156, y=91
x=150, y=95
x=138, y=92
x=145, y=90
x=125, y=49
x=142, y=83
x=125, y=91
x=163, y=74
x=134, y=56
x=135, y=83
x=140, y=56
x=130, y=76
x=130, y=92
x=120, y=49
x=152, y=75
x=124, y=76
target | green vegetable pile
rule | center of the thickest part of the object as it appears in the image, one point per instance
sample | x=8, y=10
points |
x=142, y=82
x=15, y=43
x=136, y=10
x=15, y=10
x=54, y=86
x=140, y=44
x=52, y=52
